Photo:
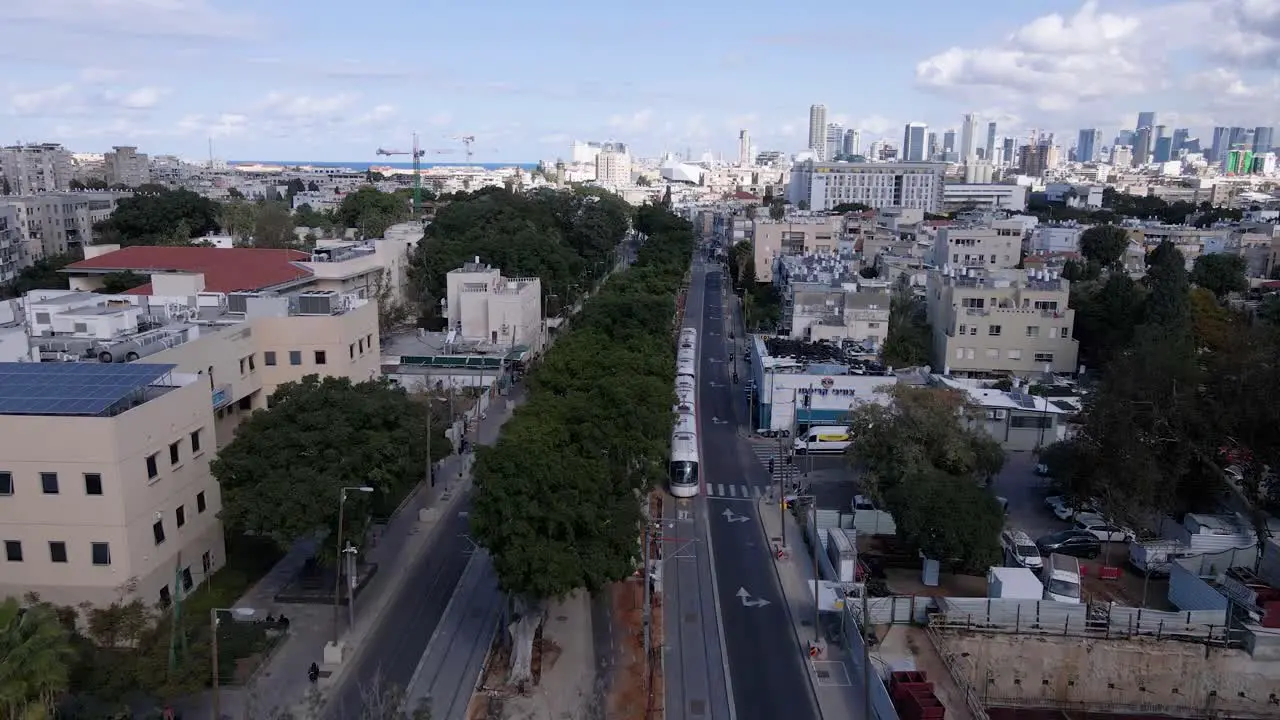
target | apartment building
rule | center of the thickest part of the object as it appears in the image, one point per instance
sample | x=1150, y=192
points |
x=982, y=246
x=984, y=196
x=879, y=185
x=855, y=310
x=54, y=223
x=1003, y=322
x=792, y=235
x=1190, y=241
x=613, y=165
x=149, y=387
x=124, y=165
x=30, y=169
x=1048, y=239
x=491, y=311
x=12, y=248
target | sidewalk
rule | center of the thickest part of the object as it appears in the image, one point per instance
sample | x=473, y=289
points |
x=835, y=676
x=282, y=682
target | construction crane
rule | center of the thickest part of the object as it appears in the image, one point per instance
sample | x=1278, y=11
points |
x=417, y=154
x=467, y=140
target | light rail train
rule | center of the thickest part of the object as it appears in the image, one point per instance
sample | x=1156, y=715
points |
x=683, y=476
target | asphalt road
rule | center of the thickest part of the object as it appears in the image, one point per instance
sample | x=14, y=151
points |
x=769, y=676
x=390, y=654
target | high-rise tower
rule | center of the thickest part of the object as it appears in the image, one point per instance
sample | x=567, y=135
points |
x=818, y=130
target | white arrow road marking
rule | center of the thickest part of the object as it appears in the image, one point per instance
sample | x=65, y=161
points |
x=747, y=601
x=733, y=518
x=718, y=421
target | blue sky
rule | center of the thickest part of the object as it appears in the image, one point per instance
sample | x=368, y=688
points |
x=333, y=80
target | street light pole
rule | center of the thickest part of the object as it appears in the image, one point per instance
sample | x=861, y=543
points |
x=337, y=581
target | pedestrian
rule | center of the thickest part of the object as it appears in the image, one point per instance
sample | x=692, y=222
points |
x=313, y=673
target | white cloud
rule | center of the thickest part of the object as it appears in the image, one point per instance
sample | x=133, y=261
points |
x=53, y=101
x=634, y=123
x=95, y=75
x=295, y=107
x=554, y=139
x=144, y=98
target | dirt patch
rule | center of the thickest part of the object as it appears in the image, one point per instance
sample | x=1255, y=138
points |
x=636, y=692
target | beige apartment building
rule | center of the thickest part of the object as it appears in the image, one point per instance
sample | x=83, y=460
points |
x=124, y=165
x=13, y=251
x=58, y=222
x=1001, y=322
x=794, y=235
x=490, y=312
x=991, y=246
x=36, y=168
x=135, y=500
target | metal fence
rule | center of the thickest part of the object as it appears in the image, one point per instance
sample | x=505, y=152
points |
x=1067, y=619
x=881, y=704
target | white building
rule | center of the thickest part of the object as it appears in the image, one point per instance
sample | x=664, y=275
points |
x=489, y=310
x=124, y=165
x=984, y=197
x=878, y=185
x=978, y=246
x=12, y=249
x=584, y=153
x=613, y=165
x=1047, y=239
x=36, y=168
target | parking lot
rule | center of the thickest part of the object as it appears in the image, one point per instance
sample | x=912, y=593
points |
x=1026, y=492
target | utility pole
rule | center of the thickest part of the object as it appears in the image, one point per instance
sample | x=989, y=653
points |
x=817, y=543
x=866, y=654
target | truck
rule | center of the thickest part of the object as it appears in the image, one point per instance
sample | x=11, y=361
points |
x=1154, y=556
x=1013, y=584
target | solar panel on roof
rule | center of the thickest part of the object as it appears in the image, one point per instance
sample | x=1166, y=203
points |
x=72, y=388
x=1024, y=401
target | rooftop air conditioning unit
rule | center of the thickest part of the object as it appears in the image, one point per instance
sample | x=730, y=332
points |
x=319, y=302
x=237, y=302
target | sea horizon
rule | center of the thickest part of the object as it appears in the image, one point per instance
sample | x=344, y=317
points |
x=398, y=165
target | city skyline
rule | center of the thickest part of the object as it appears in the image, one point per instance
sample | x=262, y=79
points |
x=269, y=83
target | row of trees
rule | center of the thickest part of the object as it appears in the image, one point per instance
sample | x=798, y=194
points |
x=566, y=239
x=1184, y=377
x=1118, y=205
x=558, y=498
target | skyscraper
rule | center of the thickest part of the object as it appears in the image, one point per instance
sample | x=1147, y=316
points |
x=850, y=144
x=914, y=139
x=1221, y=144
x=818, y=130
x=949, y=141
x=1180, y=136
x=1261, y=140
x=1006, y=155
x=1145, y=120
x=1163, y=150
x=968, y=129
x=991, y=142
x=932, y=148
x=835, y=141
x=1088, y=145
x=1142, y=146
x=744, y=148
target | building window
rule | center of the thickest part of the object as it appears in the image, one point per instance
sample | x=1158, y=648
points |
x=166, y=599
x=157, y=531
x=6, y=483
x=320, y=357
x=153, y=468
x=246, y=403
x=361, y=344
x=352, y=351
x=269, y=357
x=295, y=357
x=49, y=483
x=200, y=504
x=57, y=551
x=1064, y=333
x=252, y=367
x=1044, y=357
x=242, y=367
x=101, y=553
x=186, y=579
x=1033, y=331
x=993, y=353
x=181, y=514
x=195, y=441
x=175, y=453
x=13, y=550
x=1014, y=354
x=993, y=330
x=206, y=562
x=92, y=484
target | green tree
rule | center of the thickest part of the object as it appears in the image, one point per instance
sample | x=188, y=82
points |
x=119, y=282
x=777, y=209
x=35, y=657
x=909, y=339
x=235, y=194
x=273, y=227
x=742, y=266
x=160, y=218
x=281, y=475
x=843, y=208
x=1104, y=245
x=313, y=187
x=75, y=185
x=1221, y=274
x=1107, y=314
x=1168, y=305
x=666, y=198
x=237, y=218
x=371, y=211
x=95, y=184
x=924, y=459
x=43, y=274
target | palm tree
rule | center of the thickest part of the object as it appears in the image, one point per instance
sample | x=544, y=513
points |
x=35, y=652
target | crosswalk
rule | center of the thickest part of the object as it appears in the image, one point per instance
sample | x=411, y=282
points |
x=764, y=452
x=768, y=451
x=734, y=491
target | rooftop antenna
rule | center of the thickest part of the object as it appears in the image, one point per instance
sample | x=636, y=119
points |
x=210, y=152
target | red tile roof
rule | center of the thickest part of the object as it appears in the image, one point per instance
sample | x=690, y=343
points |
x=743, y=195
x=225, y=269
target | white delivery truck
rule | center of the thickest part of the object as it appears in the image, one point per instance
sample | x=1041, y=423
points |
x=1061, y=576
x=1013, y=584
x=823, y=439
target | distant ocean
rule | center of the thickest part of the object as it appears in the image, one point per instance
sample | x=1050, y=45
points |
x=362, y=166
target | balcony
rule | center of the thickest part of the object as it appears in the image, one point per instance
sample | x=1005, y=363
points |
x=221, y=396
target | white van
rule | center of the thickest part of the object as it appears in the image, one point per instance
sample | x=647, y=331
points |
x=1061, y=577
x=824, y=438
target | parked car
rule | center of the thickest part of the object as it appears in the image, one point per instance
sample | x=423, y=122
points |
x=1065, y=508
x=1103, y=529
x=1076, y=543
x=1020, y=549
x=1042, y=470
